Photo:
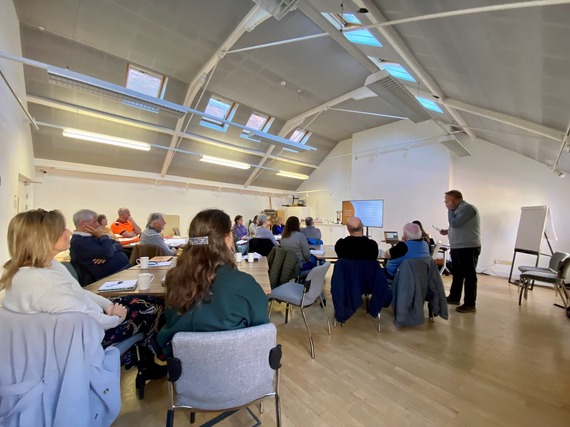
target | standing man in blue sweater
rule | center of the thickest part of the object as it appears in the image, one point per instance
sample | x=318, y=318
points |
x=465, y=242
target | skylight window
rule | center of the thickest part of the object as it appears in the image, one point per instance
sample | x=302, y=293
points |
x=220, y=108
x=362, y=37
x=146, y=82
x=300, y=136
x=429, y=104
x=395, y=69
x=259, y=122
x=350, y=21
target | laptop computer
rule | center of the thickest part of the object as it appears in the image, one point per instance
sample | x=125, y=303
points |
x=391, y=237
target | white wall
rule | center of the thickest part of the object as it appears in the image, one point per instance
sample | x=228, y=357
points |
x=16, y=152
x=411, y=176
x=335, y=175
x=106, y=196
x=500, y=182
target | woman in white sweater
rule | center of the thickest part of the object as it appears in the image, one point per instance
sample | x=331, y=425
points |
x=34, y=282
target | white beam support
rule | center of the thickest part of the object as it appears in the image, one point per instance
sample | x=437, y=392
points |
x=531, y=127
x=405, y=53
x=469, y=11
x=154, y=128
x=254, y=17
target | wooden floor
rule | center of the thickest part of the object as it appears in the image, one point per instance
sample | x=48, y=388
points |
x=503, y=366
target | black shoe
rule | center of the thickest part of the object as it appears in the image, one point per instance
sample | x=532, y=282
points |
x=466, y=309
x=452, y=302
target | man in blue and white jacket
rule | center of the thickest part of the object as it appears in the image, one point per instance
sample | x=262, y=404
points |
x=412, y=246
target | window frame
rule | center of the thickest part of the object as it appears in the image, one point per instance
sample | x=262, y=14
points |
x=163, y=80
x=264, y=127
x=215, y=124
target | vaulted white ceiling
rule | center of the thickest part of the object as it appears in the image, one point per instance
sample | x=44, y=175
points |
x=500, y=74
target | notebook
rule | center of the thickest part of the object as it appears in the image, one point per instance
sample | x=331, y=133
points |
x=161, y=258
x=391, y=237
x=120, y=285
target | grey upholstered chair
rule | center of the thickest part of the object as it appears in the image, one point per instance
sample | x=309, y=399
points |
x=553, y=266
x=557, y=279
x=303, y=295
x=224, y=371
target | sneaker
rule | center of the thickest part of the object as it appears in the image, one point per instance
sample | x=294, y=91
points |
x=466, y=309
x=452, y=301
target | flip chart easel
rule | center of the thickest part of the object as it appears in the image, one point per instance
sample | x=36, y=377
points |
x=534, y=225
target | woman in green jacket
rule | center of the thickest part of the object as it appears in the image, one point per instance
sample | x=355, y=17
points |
x=205, y=291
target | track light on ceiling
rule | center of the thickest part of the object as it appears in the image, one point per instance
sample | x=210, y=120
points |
x=105, y=139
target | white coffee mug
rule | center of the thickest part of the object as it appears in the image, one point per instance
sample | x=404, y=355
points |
x=145, y=280
x=143, y=262
x=250, y=257
x=238, y=256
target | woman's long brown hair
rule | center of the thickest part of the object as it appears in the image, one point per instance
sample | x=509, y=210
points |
x=292, y=224
x=188, y=284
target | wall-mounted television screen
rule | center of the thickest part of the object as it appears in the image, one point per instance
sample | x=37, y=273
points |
x=371, y=212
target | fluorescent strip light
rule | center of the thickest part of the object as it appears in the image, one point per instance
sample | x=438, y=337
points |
x=105, y=139
x=224, y=162
x=292, y=175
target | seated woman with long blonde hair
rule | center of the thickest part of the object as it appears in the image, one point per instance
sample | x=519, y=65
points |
x=35, y=282
x=205, y=291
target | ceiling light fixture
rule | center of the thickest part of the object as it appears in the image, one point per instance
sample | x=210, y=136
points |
x=77, y=81
x=225, y=162
x=292, y=175
x=105, y=139
x=397, y=95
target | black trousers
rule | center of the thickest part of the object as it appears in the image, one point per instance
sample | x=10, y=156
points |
x=464, y=263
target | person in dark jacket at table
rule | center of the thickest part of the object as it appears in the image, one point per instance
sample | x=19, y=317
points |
x=356, y=245
x=205, y=291
x=94, y=250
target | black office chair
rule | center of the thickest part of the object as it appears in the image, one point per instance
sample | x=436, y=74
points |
x=84, y=276
x=261, y=246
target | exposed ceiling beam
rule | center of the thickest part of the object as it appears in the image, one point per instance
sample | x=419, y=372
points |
x=469, y=11
x=314, y=15
x=547, y=132
x=154, y=128
x=254, y=17
x=98, y=172
x=396, y=42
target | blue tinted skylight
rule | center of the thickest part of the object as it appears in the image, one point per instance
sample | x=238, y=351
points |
x=393, y=68
x=351, y=19
x=429, y=104
x=398, y=71
x=348, y=21
x=362, y=37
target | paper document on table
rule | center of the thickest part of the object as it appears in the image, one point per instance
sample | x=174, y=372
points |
x=241, y=242
x=175, y=242
x=119, y=285
x=256, y=255
x=159, y=263
x=317, y=251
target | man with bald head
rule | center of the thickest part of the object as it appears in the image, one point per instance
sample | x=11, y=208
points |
x=412, y=246
x=356, y=245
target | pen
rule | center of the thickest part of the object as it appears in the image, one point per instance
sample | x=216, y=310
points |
x=119, y=282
